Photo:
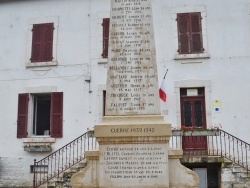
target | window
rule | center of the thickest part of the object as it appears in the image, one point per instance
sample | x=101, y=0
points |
x=101, y=100
x=189, y=23
x=41, y=114
x=189, y=33
x=190, y=84
x=104, y=101
x=39, y=168
x=42, y=42
x=45, y=112
x=193, y=107
x=105, y=40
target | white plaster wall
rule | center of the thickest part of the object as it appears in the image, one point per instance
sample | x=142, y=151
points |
x=227, y=25
x=74, y=64
x=78, y=55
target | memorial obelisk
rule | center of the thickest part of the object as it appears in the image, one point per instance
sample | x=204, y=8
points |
x=133, y=137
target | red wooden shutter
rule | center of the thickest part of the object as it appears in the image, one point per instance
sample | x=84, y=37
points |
x=56, y=114
x=105, y=41
x=22, y=115
x=42, y=42
x=36, y=53
x=189, y=33
x=183, y=33
x=196, y=33
x=48, y=42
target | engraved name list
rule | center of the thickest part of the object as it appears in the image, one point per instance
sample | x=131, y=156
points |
x=132, y=83
x=134, y=162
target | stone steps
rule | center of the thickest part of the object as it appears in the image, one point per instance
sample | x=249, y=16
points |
x=63, y=181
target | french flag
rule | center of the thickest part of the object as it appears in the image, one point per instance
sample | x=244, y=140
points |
x=163, y=89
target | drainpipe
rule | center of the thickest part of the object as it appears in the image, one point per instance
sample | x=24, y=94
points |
x=89, y=15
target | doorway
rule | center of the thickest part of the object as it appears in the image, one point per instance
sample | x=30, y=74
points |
x=202, y=173
x=209, y=173
x=193, y=116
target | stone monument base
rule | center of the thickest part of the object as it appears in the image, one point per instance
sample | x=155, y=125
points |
x=134, y=152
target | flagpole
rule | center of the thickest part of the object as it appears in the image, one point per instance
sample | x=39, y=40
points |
x=162, y=90
x=165, y=74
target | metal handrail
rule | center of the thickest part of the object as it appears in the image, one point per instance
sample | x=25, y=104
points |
x=218, y=142
x=62, y=159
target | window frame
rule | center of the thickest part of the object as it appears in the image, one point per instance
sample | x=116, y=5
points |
x=25, y=125
x=193, y=83
x=34, y=98
x=42, y=35
x=188, y=25
x=105, y=37
x=45, y=20
x=102, y=100
x=39, y=169
x=195, y=57
x=101, y=16
x=192, y=99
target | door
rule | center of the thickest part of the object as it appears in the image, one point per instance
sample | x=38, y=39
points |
x=202, y=173
x=193, y=116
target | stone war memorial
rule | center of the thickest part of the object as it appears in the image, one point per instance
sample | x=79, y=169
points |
x=133, y=136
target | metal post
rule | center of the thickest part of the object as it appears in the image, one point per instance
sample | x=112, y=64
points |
x=34, y=172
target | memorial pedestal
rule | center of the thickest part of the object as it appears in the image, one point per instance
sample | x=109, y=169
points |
x=133, y=152
x=180, y=176
x=88, y=177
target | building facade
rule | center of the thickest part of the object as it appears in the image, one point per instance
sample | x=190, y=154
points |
x=53, y=66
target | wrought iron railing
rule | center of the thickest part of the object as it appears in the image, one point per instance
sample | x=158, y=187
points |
x=217, y=142
x=62, y=159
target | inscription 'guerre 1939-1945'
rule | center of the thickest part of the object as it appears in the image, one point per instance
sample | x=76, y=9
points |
x=132, y=82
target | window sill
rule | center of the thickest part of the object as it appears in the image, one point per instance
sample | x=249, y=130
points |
x=191, y=56
x=41, y=144
x=41, y=64
x=103, y=61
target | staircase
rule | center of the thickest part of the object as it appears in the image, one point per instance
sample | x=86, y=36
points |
x=63, y=162
x=218, y=142
x=64, y=178
x=56, y=169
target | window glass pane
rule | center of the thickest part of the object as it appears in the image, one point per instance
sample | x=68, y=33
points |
x=41, y=114
x=187, y=113
x=198, y=113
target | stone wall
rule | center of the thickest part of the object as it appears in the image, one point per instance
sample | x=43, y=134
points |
x=15, y=172
x=234, y=177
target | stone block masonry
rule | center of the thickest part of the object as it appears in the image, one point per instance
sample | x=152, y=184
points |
x=15, y=172
x=234, y=176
